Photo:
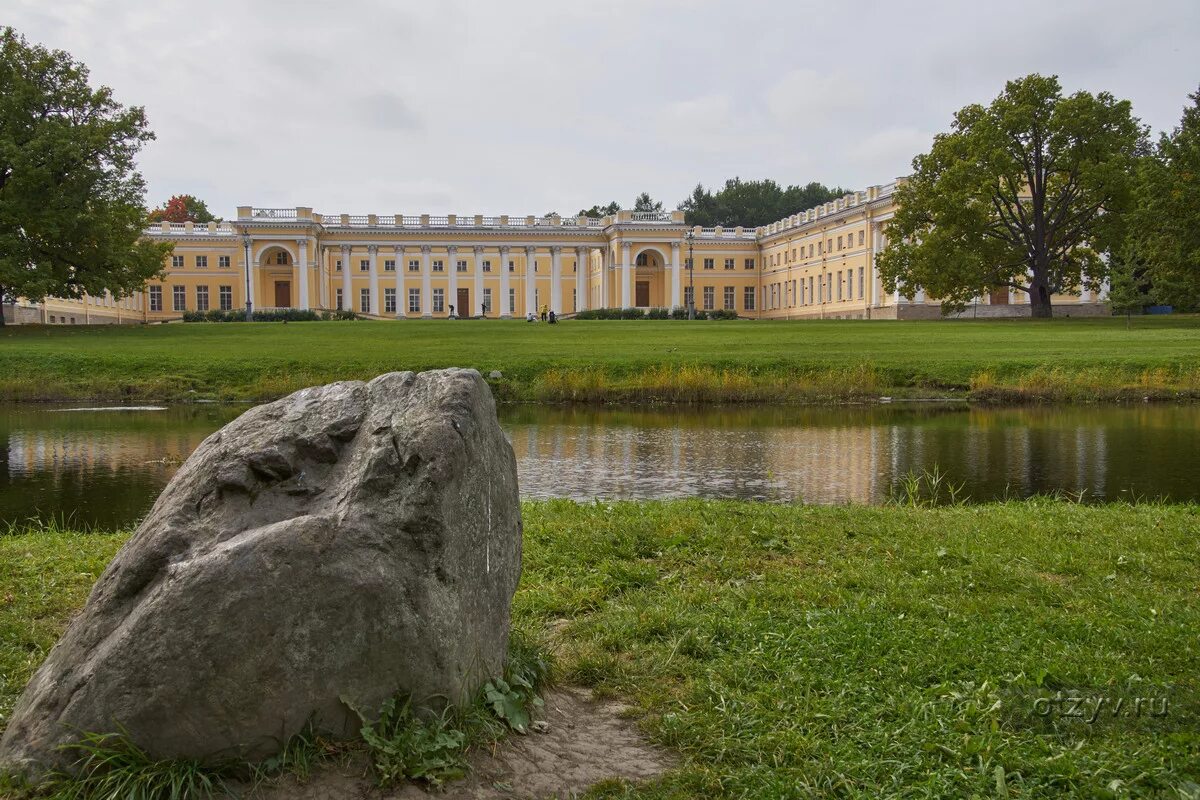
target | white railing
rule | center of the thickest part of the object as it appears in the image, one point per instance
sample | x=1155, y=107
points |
x=650, y=216
x=273, y=213
x=468, y=221
x=198, y=229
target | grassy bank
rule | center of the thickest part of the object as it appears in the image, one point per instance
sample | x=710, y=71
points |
x=856, y=652
x=615, y=361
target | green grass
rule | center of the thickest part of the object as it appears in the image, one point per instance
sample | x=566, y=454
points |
x=620, y=361
x=790, y=651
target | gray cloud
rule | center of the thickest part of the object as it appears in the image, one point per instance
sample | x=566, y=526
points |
x=461, y=106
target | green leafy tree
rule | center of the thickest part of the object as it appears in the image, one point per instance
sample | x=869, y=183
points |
x=1023, y=193
x=645, y=202
x=600, y=211
x=752, y=203
x=183, y=208
x=1126, y=277
x=71, y=213
x=1169, y=212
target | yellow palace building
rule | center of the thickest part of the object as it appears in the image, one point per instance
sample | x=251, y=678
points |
x=818, y=263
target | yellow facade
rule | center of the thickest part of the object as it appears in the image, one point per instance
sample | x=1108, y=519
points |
x=818, y=263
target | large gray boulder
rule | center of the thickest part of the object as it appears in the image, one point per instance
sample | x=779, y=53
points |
x=349, y=541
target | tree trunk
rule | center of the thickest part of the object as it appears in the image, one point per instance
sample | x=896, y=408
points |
x=2, y=308
x=1039, y=300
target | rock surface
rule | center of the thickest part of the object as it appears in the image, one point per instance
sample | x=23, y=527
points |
x=340, y=544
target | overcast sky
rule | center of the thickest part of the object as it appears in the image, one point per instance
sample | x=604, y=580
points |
x=525, y=107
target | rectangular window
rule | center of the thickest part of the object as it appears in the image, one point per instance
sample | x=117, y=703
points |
x=687, y=263
x=438, y=265
x=202, y=298
x=810, y=250
x=487, y=265
x=729, y=295
x=179, y=298
x=487, y=300
x=861, y=239
x=748, y=298
x=709, y=296
x=709, y=263
x=414, y=301
x=225, y=297
x=338, y=299
x=687, y=297
x=849, y=284
x=156, y=298
x=821, y=290
x=821, y=248
x=364, y=265
x=176, y=261
x=749, y=263
x=461, y=266
x=729, y=263
x=512, y=267
x=414, y=265
x=389, y=265
x=861, y=284
x=839, y=285
x=512, y=297
x=439, y=301
x=803, y=293
x=202, y=261
x=223, y=262
x=810, y=288
x=364, y=301
x=389, y=301
x=793, y=254
x=839, y=243
x=337, y=265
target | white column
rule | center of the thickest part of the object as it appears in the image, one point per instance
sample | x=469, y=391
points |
x=452, y=271
x=583, y=273
x=302, y=272
x=875, y=241
x=626, y=278
x=504, y=287
x=401, y=267
x=530, y=277
x=676, y=280
x=556, y=279
x=426, y=282
x=375, y=306
x=604, y=266
x=478, y=298
x=347, y=302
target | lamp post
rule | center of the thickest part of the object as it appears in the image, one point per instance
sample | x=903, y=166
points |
x=249, y=304
x=691, y=242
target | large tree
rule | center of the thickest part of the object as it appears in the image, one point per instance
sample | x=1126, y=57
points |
x=1168, y=220
x=752, y=203
x=71, y=202
x=1024, y=193
x=183, y=208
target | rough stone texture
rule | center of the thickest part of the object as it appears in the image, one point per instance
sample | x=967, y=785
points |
x=348, y=541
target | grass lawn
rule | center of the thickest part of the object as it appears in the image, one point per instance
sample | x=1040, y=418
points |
x=789, y=651
x=619, y=361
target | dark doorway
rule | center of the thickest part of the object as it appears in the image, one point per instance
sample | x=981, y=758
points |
x=463, y=309
x=642, y=295
x=999, y=297
x=283, y=294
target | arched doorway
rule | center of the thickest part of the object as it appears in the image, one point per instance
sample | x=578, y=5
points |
x=275, y=276
x=650, y=275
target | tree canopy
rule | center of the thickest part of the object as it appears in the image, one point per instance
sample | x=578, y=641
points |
x=1024, y=193
x=71, y=213
x=182, y=208
x=752, y=203
x=600, y=211
x=1168, y=219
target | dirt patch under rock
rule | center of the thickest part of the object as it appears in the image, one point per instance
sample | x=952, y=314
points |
x=587, y=742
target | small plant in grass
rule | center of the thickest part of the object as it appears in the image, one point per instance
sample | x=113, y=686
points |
x=930, y=487
x=514, y=698
x=404, y=746
x=110, y=765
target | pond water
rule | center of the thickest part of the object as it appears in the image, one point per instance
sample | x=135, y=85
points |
x=105, y=467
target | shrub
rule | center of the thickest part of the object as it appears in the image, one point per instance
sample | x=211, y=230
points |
x=273, y=315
